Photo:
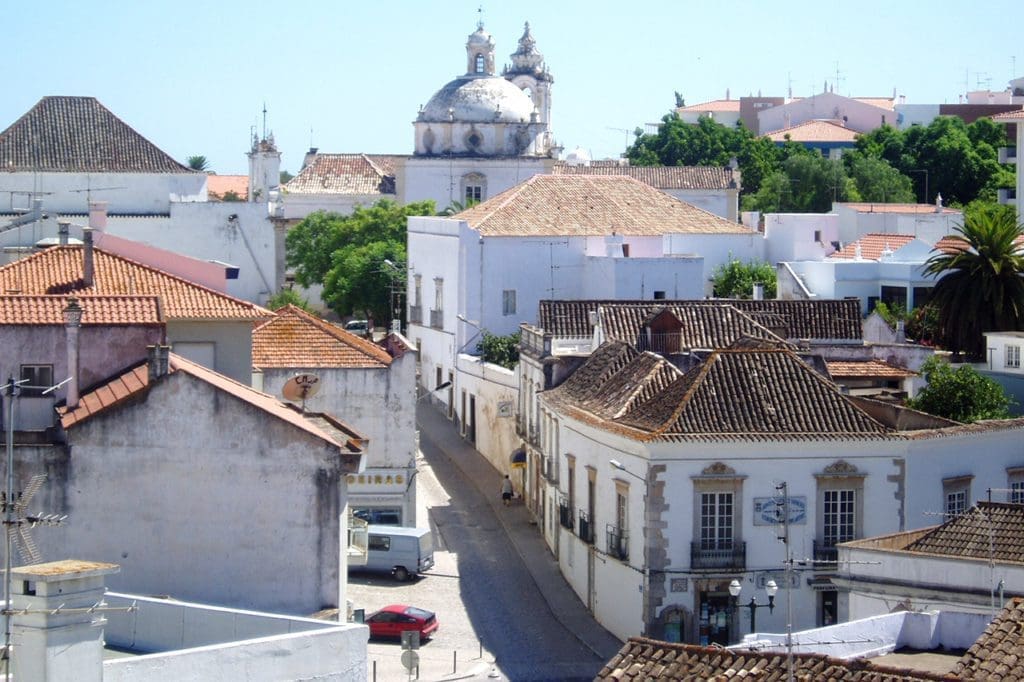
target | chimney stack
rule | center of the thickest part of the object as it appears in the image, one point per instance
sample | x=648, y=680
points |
x=72, y=323
x=87, y=264
x=758, y=291
x=63, y=228
x=98, y=215
x=157, y=362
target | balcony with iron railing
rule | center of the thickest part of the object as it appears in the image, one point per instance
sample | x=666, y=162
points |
x=618, y=543
x=1007, y=155
x=721, y=555
x=586, y=531
x=825, y=555
x=416, y=314
x=551, y=469
x=565, y=514
x=437, y=319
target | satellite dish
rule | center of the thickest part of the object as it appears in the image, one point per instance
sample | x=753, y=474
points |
x=301, y=387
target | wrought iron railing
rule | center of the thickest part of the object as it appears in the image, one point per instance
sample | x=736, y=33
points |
x=731, y=555
x=618, y=543
x=437, y=319
x=586, y=532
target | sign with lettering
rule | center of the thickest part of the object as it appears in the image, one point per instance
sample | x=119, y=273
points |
x=768, y=510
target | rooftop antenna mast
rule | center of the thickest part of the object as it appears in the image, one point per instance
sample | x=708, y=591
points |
x=839, y=77
x=480, y=16
x=264, y=120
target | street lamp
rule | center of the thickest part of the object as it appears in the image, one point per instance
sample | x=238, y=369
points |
x=396, y=274
x=616, y=464
x=734, y=591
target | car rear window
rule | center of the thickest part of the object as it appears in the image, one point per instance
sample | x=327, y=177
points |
x=419, y=613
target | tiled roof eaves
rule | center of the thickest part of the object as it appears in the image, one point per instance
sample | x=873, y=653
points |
x=990, y=425
x=270, y=351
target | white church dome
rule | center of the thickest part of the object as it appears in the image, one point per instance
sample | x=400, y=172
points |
x=478, y=100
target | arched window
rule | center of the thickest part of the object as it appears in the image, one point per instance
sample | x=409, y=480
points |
x=480, y=63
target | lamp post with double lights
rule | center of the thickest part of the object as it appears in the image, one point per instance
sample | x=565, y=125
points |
x=734, y=591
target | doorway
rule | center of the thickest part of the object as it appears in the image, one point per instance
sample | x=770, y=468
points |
x=715, y=625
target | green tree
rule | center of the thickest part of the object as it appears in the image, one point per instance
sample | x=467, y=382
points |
x=736, y=279
x=284, y=176
x=981, y=288
x=198, y=163
x=500, y=350
x=231, y=195
x=962, y=394
x=877, y=181
x=289, y=297
x=806, y=183
x=346, y=254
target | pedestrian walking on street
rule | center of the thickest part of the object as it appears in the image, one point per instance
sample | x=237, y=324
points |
x=506, y=490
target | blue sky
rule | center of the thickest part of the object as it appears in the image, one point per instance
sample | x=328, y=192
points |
x=192, y=77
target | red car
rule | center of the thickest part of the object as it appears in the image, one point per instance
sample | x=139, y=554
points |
x=392, y=621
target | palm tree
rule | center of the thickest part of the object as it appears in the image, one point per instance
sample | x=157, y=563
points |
x=198, y=163
x=981, y=287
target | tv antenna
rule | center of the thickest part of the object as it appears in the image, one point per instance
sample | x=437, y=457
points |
x=300, y=388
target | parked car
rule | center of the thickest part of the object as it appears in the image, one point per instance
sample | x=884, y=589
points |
x=402, y=552
x=380, y=517
x=357, y=326
x=392, y=621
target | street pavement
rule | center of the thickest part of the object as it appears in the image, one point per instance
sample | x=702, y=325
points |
x=567, y=643
x=505, y=611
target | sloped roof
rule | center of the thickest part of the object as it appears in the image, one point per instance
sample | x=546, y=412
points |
x=96, y=310
x=996, y=655
x=133, y=383
x=58, y=270
x=916, y=209
x=79, y=135
x=814, y=131
x=659, y=177
x=590, y=205
x=1009, y=117
x=969, y=534
x=748, y=395
x=357, y=174
x=642, y=659
x=801, y=319
x=219, y=185
x=867, y=368
x=872, y=246
x=713, y=105
x=703, y=326
x=295, y=338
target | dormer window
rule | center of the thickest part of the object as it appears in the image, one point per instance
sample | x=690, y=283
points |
x=479, y=63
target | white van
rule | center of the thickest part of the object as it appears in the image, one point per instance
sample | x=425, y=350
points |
x=402, y=552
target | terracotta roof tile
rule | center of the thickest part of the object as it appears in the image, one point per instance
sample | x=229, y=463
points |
x=867, y=368
x=872, y=246
x=96, y=310
x=642, y=659
x=659, y=177
x=744, y=395
x=79, y=135
x=812, y=319
x=135, y=382
x=867, y=207
x=713, y=105
x=58, y=270
x=295, y=338
x=219, y=185
x=345, y=174
x=997, y=654
x=968, y=535
x=590, y=205
x=1009, y=117
x=814, y=131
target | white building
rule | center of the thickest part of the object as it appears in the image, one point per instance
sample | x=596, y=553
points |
x=861, y=114
x=555, y=236
x=628, y=438
x=972, y=561
x=1015, y=117
x=88, y=154
x=373, y=385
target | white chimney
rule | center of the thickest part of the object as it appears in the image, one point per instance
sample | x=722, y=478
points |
x=63, y=228
x=58, y=634
x=157, y=361
x=87, y=257
x=98, y=215
x=758, y=291
x=72, y=323
x=938, y=202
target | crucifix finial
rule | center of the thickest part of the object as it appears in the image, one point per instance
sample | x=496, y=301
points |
x=480, y=16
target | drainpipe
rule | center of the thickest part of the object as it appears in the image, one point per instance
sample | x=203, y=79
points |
x=72, y=323
x=87, y=257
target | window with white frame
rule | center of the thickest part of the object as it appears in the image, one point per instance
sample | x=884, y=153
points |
x=37, y=379
x=508, y=302
x=1015, y=485
x=474, y=185
x=1017, y=492
x=956, y=493
x=716, y=520
x=840, y=516
x=1013, y=356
